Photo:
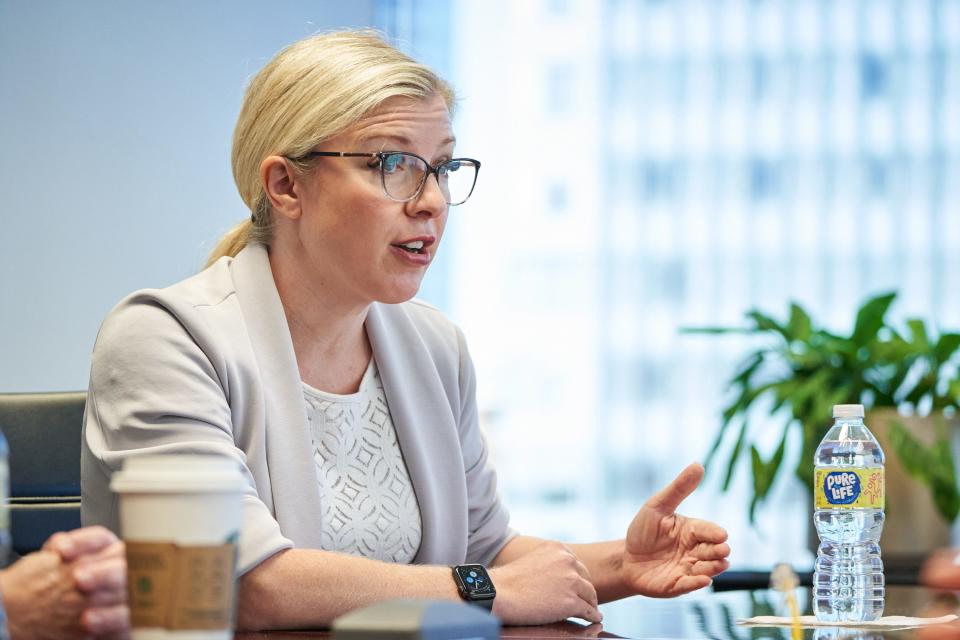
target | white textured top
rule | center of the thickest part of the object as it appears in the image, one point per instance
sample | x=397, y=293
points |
x=368, y=504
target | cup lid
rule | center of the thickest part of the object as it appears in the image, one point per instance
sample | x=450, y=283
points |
x=192, y=473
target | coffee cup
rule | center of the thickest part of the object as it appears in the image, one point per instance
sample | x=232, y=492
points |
x=180, y=519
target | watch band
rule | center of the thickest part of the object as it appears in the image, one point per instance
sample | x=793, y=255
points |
x=485, y=604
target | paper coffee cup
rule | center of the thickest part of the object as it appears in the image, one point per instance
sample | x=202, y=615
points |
x=180, y=520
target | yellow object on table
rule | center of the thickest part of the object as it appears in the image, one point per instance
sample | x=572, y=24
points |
x=784, y=579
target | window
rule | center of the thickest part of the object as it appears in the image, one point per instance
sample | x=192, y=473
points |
x=577, y=344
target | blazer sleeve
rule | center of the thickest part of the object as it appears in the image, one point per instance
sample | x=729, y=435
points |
x=159, y=386
x=488, y=520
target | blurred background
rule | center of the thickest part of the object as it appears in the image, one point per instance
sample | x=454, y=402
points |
x=648, y=165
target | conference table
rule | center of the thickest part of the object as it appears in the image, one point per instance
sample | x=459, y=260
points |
x=710, y=615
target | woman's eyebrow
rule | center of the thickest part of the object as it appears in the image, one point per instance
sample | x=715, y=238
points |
x=399, y=138
x=373, y=136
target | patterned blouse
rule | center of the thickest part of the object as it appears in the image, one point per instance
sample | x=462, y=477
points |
x=368, y=503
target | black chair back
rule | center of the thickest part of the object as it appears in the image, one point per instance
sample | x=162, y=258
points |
x=43, y=433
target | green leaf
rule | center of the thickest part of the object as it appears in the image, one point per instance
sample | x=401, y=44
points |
x=955, y=390
x=946, y=497
x=925, y=384
x=748, y=368
x=740, y=405
x=764, y=473
x=946, y=500
x=800, y=326
x=919, y=331
x=913, y=456
x=717, y=330
x=774, y=465
x=946, y=346
x=870, y=318
x=734, y=456
x=815, y=386
x=766, y=323
x=931, y=466
x=756, y=463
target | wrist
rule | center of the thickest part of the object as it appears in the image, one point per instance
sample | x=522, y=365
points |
x=504, y=601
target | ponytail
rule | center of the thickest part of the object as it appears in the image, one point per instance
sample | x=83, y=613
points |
x=232, y=242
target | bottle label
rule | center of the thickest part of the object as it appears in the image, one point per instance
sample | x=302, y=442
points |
x=846, y=488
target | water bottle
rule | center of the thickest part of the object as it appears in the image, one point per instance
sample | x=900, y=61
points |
x=5, y=540
x=848, y=490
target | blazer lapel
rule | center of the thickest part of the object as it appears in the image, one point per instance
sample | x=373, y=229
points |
x=293, y=485
x=426, y=430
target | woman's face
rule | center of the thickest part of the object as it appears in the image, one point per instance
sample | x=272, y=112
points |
x=351, y=234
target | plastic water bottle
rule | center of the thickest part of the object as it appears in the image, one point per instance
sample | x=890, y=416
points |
x=848, y=494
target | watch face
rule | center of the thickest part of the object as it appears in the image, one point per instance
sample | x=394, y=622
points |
x=475, y=582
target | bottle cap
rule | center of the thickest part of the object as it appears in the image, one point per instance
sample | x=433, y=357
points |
x=848, y=411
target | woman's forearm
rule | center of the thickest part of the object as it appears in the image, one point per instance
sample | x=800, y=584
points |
x=603, y=560
x=304, y=588
x=537, y=582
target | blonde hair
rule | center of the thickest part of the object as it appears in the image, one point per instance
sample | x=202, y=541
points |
x=312, y=90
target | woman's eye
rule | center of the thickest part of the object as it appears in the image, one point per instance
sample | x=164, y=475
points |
x=392, y=162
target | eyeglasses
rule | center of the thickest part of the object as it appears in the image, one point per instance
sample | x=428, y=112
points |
x=403, y=174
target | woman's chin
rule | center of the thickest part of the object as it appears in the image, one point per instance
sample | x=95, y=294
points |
x=397, y=295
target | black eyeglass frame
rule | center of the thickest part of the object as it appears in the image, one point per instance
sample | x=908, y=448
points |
x=381, y=156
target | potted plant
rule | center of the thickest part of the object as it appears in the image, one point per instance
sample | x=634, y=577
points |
x=801, y=370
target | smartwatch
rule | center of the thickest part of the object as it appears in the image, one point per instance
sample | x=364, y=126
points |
x=474, y=585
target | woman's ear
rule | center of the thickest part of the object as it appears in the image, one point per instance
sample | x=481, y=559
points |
x=280, y=183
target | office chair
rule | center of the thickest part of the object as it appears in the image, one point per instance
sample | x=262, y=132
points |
x=43, y=433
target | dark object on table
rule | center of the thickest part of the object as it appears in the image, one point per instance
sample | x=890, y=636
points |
x=417, y=620
x=899, y=570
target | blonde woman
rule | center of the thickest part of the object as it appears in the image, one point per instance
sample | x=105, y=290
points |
x=299, y=353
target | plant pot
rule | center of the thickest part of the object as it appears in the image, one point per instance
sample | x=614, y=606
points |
x=913, y=526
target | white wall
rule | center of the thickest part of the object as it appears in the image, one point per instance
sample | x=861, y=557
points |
x=115, y=125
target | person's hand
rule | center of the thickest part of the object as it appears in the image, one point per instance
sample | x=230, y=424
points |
x=548, y=584
x=99, y=572
x=71, y=545
x=942, y=570
x=40, y=598
x=666, y=554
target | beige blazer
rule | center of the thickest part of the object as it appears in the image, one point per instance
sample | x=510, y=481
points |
x=207, y=366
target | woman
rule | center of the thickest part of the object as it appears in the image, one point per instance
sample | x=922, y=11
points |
x=352, y=409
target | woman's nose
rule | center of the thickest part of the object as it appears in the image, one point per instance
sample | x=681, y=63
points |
x=431, y=200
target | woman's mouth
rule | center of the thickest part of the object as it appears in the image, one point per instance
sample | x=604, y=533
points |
x=415, y=246
x=415, y=251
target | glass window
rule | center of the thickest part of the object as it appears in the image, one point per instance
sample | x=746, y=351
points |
x=713, y=173
x=873, y=76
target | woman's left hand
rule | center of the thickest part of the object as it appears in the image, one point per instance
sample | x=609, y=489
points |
x=667, y=554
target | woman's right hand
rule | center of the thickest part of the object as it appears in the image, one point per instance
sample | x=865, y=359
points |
x=545, y=585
